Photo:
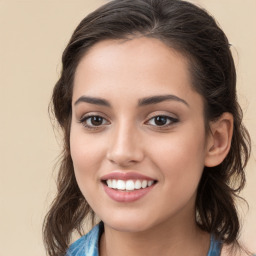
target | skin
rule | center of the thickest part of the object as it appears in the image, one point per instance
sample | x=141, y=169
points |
x=129, y=139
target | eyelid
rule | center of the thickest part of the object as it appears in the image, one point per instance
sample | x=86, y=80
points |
x=162, y=113
x=169, y=116
x=87, y=116
x=172, y=119
x=91, y=114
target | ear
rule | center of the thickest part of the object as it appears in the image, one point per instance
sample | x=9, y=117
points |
x=219, y=140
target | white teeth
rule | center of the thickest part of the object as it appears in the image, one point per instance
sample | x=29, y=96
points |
x=109, y=182
x=144, y=184
x=150, y=182
x=137, y=184
x=114, y=184
x=129, y=185
x=120, y=185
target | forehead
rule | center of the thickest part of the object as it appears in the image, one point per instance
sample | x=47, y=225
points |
x=143, y=65
x=147, y=53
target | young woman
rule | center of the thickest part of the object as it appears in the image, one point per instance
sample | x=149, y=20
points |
x=154, y=145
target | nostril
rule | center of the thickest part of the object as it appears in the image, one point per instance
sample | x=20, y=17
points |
x=123, y=151
x=124, y=159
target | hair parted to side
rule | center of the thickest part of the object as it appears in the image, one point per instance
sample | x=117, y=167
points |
x=193, y=32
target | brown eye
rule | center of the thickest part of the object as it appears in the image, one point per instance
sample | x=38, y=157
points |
x=93, y=121
x=96, y=120
x=162, y=120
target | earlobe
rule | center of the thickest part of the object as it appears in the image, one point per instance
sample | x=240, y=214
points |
x=219, y=140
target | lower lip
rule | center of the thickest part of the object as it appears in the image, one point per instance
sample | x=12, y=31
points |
x=126, y=196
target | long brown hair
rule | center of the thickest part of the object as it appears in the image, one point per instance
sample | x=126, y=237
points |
x=194, y=33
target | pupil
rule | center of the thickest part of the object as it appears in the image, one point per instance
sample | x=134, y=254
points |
x=161, y=120
x=96, y=120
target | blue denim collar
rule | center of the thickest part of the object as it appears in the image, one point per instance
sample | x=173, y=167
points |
x=88, y=245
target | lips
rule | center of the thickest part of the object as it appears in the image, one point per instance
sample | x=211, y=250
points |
x=128, y=186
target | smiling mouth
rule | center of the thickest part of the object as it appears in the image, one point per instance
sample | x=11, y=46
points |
x=128, y=185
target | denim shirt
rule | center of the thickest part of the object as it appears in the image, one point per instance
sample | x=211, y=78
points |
x=88, y=245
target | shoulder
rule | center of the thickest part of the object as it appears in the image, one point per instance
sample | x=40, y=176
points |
x=77, y=248
x=87, y=245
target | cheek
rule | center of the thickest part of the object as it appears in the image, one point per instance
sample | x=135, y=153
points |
x=85, y=150
x=181, y=160
x=85, y=155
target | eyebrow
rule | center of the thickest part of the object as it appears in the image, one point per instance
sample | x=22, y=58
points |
x=93, y=100
x=142, y=102
x=159, y=99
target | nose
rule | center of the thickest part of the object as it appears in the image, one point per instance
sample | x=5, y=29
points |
x=125, y=147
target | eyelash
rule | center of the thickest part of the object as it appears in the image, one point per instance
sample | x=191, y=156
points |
x=170, y=121
x=84, y=120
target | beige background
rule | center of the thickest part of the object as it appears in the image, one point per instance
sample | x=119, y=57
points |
x=33, y=34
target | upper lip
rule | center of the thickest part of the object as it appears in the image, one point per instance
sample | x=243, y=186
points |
x=117, y=175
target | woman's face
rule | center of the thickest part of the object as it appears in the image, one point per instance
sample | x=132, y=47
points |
x=138, y=126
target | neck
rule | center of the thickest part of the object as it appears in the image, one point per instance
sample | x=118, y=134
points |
x=176, y=237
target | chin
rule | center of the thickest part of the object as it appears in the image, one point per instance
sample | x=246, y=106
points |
x=128, y=226
x=128, y=222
